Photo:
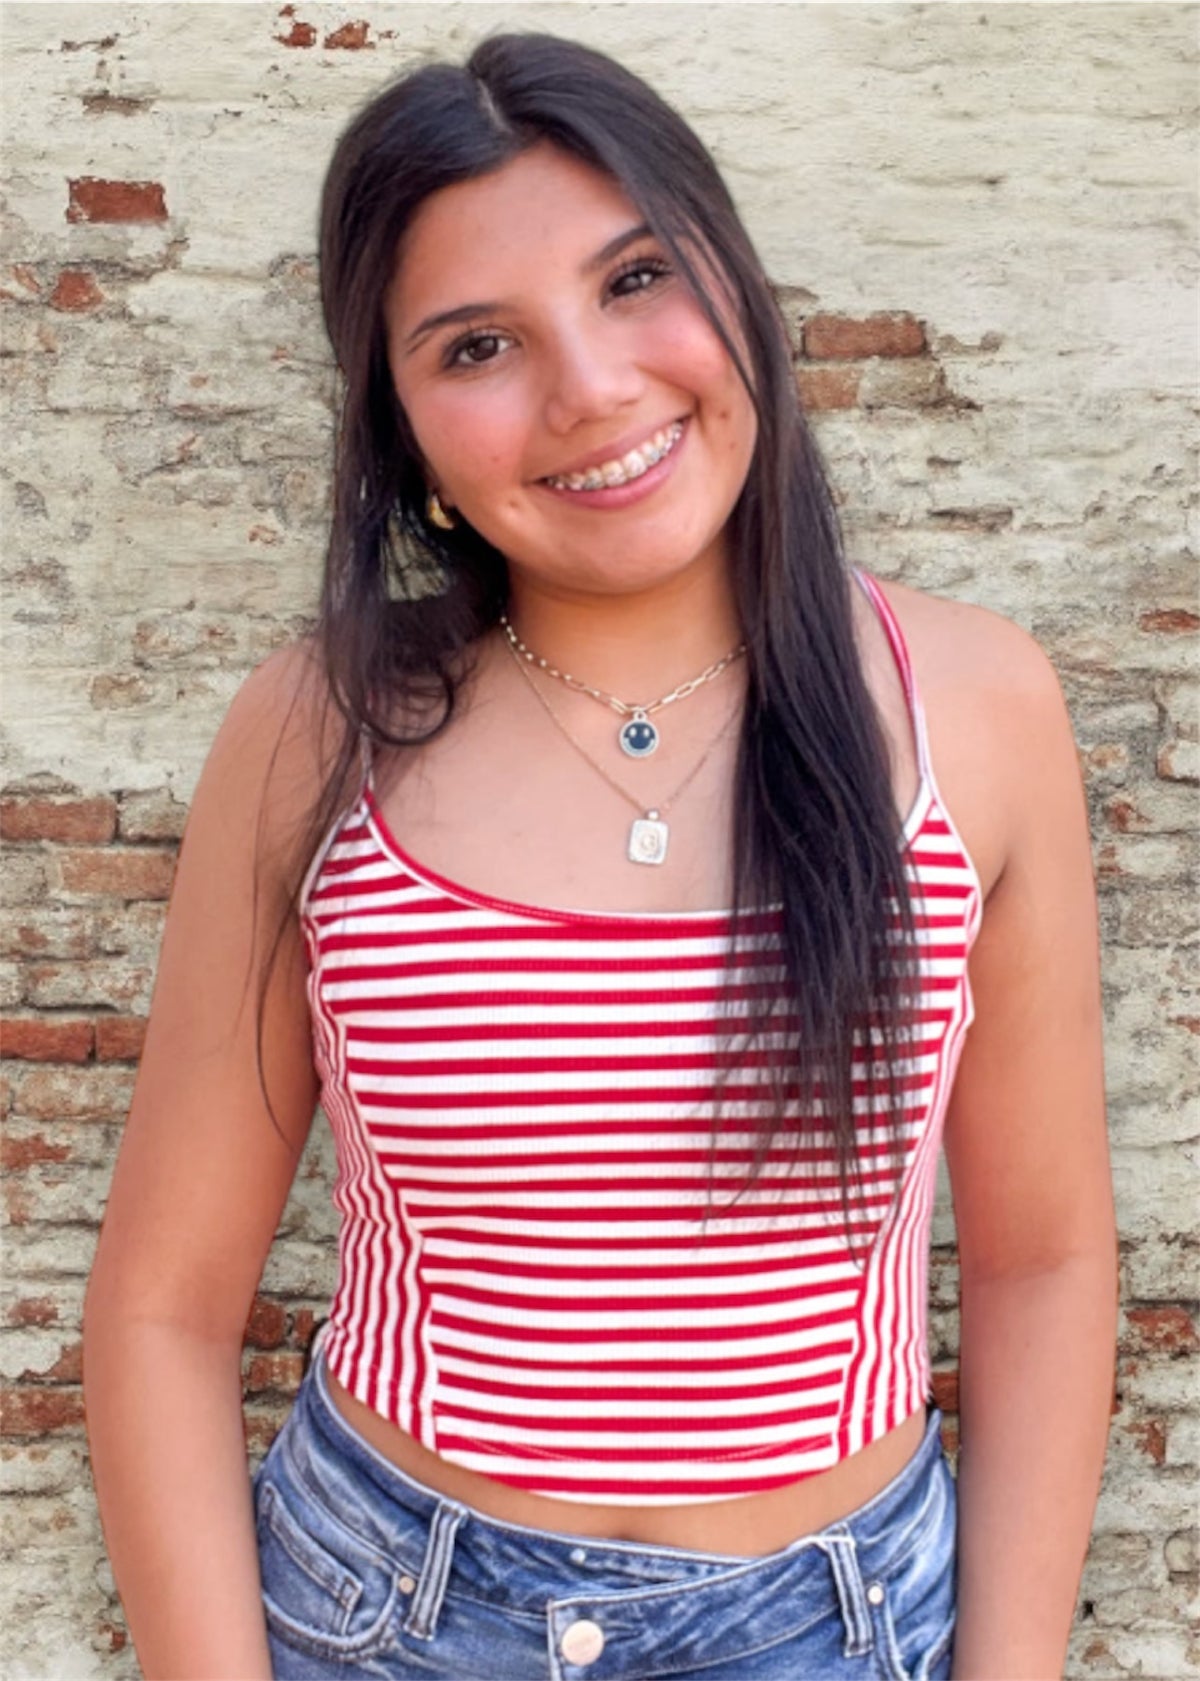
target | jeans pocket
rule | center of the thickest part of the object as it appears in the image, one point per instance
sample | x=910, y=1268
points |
x=916, y=1616
x=324, y=1590
x=917, y=1647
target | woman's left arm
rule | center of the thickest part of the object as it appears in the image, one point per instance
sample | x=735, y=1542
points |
x=1027, y=1150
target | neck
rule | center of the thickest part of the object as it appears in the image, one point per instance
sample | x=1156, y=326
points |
x=635, y=647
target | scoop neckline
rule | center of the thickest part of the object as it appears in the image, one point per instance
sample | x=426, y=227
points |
x=386, y=839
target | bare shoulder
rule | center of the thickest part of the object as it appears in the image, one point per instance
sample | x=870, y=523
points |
x=970, y=648
x=279, y=703
x=1000, y=735
x=272, y=757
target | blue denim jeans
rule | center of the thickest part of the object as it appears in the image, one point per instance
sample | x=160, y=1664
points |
x=367, y=1572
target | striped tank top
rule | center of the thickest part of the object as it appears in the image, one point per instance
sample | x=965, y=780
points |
x=520, y=1100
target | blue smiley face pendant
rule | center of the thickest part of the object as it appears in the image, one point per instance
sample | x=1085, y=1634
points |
x=638, y=737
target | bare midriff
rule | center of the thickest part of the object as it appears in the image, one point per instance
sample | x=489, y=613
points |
x=747, y=1526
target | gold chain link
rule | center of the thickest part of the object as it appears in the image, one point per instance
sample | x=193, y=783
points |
x=638, y=805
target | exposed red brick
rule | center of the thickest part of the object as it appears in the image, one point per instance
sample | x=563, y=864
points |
x=841, y=338
x=36, y=817
x=37, y=1410
x=45, y=1039
x=76, y=292
x=123, y=872
x=94, y=200
x=1150, y=1434
x=950, y=1436
x=26, y=277
x=1169, y=619
x=33, y=1310
x=280, y=1371
x=266, y=1326
x=68, y=1368
x=299, y=35
x=35, y=934
x=1125, y=817
x=945, y=1390
x=119, y=1038
x=117, y=1638
x=18, y=1153
x=303, y=1325
x=1191, y=1023
x=827, y=388
x=351, y=36
x=1107, y=862
x=1164, y=1329
x=259, y=1430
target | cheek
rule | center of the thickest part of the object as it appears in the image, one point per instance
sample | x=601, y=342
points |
x=693, y=357
x=467, y=444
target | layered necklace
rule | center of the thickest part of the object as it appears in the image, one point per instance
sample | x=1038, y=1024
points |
x=637, y=737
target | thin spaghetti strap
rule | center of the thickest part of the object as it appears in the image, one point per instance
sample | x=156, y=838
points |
x=903, y=659
x=365, y=760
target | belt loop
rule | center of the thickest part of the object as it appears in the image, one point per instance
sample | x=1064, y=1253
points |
x=435, y=1570
x=847, y=1577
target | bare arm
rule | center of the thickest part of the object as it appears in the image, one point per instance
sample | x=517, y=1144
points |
x=199, y=1186
x=1028, y=1158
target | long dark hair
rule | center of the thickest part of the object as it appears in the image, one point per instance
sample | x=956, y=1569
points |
x=816, y=827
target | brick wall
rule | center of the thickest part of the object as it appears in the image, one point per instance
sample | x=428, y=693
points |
x=981, y=221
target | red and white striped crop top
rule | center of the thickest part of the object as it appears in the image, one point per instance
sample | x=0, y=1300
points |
x=520, y=1099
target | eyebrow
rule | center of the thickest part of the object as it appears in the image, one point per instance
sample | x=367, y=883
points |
x=470, y=312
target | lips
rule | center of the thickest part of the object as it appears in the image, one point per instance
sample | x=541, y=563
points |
x=620, y=468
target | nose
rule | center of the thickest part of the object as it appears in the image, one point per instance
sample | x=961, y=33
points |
x=591, y=374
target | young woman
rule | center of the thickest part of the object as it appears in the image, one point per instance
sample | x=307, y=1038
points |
x=645, y=891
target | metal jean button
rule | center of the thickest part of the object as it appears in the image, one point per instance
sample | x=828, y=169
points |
x=583, y=1642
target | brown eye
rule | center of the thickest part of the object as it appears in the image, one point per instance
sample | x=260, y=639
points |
x=642, y=272
x=473, y=351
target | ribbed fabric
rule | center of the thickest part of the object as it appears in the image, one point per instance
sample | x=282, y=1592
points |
x=520, y=1099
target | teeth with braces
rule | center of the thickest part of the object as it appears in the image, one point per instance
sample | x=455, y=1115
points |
x=627, y=468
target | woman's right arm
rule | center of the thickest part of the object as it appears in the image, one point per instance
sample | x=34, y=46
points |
x=200, y=1183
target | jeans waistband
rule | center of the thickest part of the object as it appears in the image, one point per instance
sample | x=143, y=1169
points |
x=868, y=1542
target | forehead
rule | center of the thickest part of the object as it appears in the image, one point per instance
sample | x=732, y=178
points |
x=542, y=210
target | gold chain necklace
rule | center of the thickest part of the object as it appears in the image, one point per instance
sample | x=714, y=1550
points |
x=638, y=737
x=648, y=834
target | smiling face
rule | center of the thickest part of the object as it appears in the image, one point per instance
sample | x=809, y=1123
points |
x=566, y=390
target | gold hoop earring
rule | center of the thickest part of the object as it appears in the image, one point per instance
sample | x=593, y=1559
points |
x=436, y=514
